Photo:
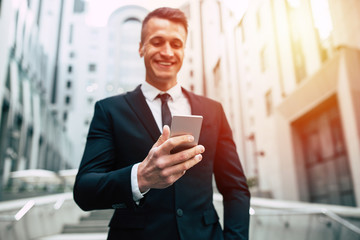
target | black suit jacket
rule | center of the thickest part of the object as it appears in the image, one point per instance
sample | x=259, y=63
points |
x=121, y=134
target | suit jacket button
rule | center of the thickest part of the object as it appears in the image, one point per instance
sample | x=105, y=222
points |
x=179, y=212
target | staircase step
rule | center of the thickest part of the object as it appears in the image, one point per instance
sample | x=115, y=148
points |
x=99, y=214
x=77, y=236
x=91, y=223
x=85, y=229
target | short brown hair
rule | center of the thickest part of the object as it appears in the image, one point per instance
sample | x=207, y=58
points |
x=171, y=14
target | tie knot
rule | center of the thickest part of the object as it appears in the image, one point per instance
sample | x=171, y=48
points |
x=164, y=97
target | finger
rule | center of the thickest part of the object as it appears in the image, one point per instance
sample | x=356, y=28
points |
x=163, y=137
x=185, y=155
x=179, y=169
x=176, y=141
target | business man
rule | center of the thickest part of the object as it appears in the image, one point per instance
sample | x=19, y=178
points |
x=128, y=164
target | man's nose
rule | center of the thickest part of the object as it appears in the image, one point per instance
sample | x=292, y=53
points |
x=167, y=50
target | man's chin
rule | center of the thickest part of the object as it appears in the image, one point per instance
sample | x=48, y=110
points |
x=163, y=83
x=165, y=77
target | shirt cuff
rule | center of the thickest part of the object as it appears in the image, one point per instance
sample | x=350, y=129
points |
x=137, y=195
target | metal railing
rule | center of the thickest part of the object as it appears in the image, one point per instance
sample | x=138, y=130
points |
x=323, y=211
x=26, y=208
x=26, y=219
x=20, y=214
x=291, y=212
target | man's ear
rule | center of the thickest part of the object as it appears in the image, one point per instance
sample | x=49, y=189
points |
x=141, y=49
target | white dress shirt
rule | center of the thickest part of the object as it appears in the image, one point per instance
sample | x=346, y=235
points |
x=178, y=104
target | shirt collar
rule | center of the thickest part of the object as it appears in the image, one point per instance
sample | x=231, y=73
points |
x=150, y=92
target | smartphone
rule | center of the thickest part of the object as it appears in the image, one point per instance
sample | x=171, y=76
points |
x=186, y=124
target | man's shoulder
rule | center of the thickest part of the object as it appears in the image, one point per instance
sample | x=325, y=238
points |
x=108, y=101
x=202, y=99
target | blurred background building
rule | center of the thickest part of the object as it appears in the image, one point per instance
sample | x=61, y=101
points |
x=30, y=134
x=300, y=98
x=284, y=70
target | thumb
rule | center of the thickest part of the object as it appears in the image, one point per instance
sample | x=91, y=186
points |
x=163, y=137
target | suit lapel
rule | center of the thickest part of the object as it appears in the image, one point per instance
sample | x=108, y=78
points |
x=137, y=102
x=196, y=108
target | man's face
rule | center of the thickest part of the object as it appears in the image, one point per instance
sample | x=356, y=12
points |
x=163, y=52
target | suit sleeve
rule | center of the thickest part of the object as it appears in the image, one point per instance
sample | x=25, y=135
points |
x=231, y=183
x=98, y=185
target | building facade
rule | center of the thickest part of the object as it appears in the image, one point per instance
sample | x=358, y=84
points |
x=30, y=134
x=220, y=68
x=299, y=77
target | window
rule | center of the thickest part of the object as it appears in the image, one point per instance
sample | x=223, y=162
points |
x=323, y=27
x=248, y=85
x=92, y=67
x=70, y=69
x=71, y=54
x=263, y=60
x=269, y=103
x=90, y=100
x=125, y=63
x=217, y=75
x=324, y=155
x=65, y=115
x=258, y=19
x=220, y=17
x=67, y=100
x=68, y=84
x=79, y=6
x=252, y=121
x=38, y=12
x=71, y=31
x=293, y=13
x=192, y=87
x=299, y=60
x=243, y=38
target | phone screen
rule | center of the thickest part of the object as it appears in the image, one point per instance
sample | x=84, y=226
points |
x=186, y=124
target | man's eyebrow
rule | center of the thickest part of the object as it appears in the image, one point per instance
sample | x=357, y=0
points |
x=156, y=37
x=162, y=37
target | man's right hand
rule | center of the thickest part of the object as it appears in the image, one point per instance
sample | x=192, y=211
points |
x=160, y=168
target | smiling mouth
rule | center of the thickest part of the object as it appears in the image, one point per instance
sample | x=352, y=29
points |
x=165, y=63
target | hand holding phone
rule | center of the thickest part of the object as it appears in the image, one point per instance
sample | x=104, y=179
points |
x=186, y=124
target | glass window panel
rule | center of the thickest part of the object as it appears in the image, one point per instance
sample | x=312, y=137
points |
x=332, y=182
x=327, y=146
x=317, y=180
x=344, y=173
x=313, y=149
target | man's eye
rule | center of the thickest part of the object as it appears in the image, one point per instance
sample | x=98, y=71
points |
x=176, y=44
x=157, y=42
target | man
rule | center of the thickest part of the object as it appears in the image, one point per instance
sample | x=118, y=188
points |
x=127, y=164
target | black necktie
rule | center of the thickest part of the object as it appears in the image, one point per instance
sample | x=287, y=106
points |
x=165, y=111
